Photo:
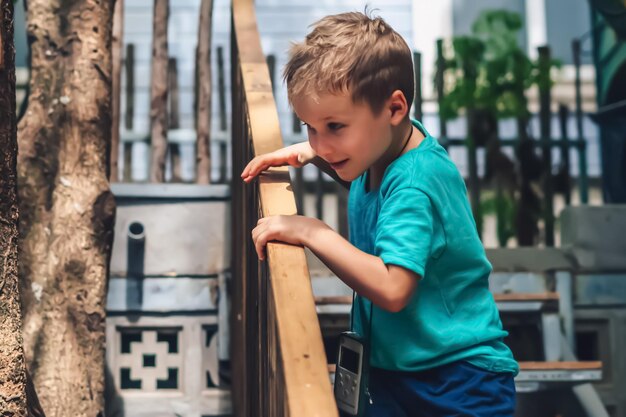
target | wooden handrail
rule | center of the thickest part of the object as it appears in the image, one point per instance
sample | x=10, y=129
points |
x=278, y=359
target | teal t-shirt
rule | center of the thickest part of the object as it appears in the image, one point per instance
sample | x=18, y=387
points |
x=420, y=219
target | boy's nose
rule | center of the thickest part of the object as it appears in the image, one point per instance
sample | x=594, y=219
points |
x=321, y=148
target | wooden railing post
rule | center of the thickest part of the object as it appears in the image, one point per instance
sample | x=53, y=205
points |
x=439, y=81
x=417, y=100
x=158, y=91
x=545, y=124
x=116, y=58
x=277, y=353
x=129, y=116
x=203, y=65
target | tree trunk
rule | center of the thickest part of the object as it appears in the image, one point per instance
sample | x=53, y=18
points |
x=158, y=106
x=66, y=207
x=12, y=366
x=203, y=65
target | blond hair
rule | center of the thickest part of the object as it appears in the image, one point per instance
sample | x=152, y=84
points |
x=351, y=52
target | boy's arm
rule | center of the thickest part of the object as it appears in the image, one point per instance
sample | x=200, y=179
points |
x=296, y=155
x=390, y=287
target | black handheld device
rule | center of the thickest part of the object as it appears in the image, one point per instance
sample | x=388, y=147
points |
x=351, y=375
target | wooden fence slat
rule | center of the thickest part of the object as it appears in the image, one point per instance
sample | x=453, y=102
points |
x=417, y=100
x=130, y=86
x=545, y=126
x=221, y=86
x=203, y=118
x=173, y=94
x=117, y=45
x=1, y=51
x=292, y=360
x=158, y=91
x=174, y=117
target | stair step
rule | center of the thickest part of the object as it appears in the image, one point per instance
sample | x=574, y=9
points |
x=540, y=366
x=527, y=302
x=510, y=302
x=535, y=376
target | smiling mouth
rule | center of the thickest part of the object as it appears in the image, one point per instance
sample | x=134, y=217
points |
x=338, y=165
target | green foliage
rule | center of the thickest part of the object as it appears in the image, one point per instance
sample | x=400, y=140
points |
x=504, y=208
x=489, y=71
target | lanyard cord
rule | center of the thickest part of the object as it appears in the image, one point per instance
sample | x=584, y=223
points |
x=371, y=316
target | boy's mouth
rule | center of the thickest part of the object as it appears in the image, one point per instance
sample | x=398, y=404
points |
x=338, y=165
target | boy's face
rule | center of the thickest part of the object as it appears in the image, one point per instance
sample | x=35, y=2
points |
x=345, y=134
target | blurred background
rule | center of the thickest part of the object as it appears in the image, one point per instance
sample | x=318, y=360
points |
x=527, y=96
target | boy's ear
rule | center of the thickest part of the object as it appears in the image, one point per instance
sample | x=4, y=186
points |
x=398, y=107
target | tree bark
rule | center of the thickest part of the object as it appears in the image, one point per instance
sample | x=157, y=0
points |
x=158, y=106
x=203, y=64
x=66, y=207
x=12, y=363
x=116, y=53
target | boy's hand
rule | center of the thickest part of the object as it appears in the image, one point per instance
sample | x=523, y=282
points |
x=295, y=230
x=296, y=155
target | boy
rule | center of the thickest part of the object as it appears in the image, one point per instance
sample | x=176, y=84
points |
x=414, y=257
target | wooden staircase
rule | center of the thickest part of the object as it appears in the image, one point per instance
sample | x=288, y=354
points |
x=535, y=322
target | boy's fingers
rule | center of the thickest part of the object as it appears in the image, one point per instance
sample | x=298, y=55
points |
x=260, y=244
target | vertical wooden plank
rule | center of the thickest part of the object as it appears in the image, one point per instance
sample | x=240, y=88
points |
x=565, y=164
x=271, y=66
x=545, y=127
x=238, y=344
x=581, y=148
x=129, y=117
x=417, y=100
x=319, y=195
x=221, y=85
x=116, y=58
x=223, y=156
x=1, y=54
x=473, y=180
x=174, y=117
x=342, y=209
x=173, y=94
x=282, y=330
x=130, y=86
x=439, y=82
x=158, y=92
x=299, y=186
x=221, y=94
x=203, y=64
x=1, y=40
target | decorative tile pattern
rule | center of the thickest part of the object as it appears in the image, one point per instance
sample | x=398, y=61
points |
x=209, y=356
x=149, y=359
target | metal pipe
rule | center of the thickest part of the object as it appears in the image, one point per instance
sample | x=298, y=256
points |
x=135, y=266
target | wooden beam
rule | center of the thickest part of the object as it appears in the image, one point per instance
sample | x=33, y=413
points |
x=1, y=41
x=158, y=91
x=174, y=117
x=203, y=118
x=302, y=357
x=116, y=57
x=129, y=61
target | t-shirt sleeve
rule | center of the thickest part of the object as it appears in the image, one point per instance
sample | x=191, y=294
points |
x=404, y=230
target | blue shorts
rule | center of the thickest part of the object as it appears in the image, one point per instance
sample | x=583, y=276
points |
x=459, y=389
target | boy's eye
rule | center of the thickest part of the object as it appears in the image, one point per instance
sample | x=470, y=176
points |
x=335, y=126
x=308, y=127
